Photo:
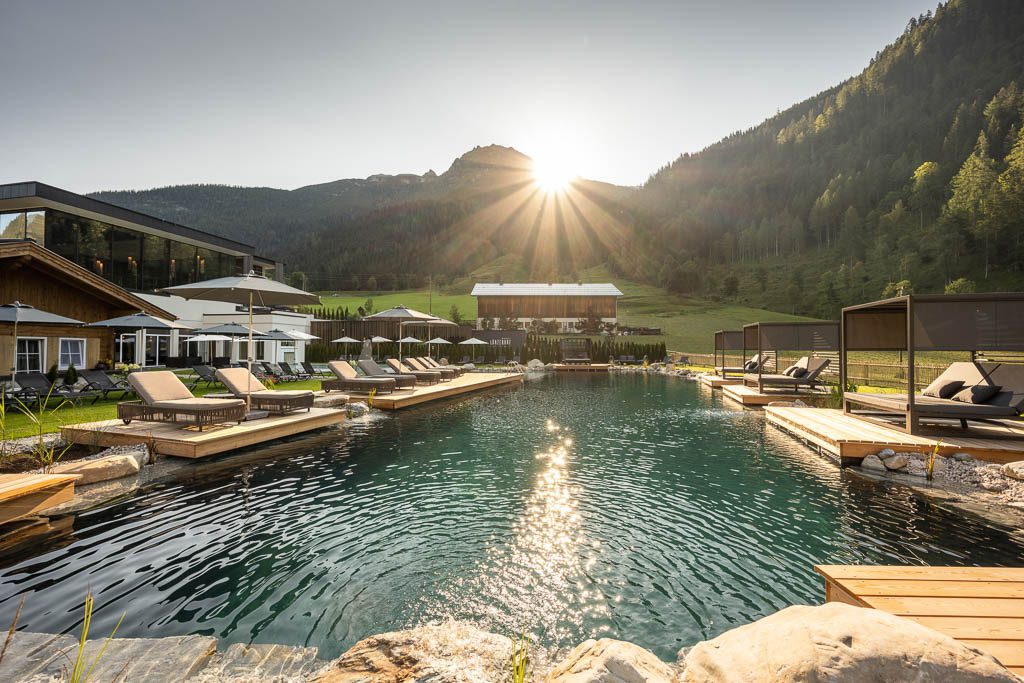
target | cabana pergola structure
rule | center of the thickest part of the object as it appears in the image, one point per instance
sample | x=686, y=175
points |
x=728, y=340
x=986, y=324
x=812, y=337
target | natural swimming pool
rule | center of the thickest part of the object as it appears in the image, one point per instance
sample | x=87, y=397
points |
x=665, y=519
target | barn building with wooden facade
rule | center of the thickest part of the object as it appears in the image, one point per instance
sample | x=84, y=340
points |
x=565, y=304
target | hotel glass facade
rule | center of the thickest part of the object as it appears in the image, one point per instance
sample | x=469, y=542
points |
x=130, y=258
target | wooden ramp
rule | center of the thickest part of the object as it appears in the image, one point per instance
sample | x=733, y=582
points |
x=750, y=396
x=982, y=607
x=22, y=495
x=850, y=438
x=581, y=367
x=468, y=383
x=174, y=439
x=716, y=382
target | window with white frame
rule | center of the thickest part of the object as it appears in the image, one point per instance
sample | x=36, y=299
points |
x=31, y=354
x=72, y=352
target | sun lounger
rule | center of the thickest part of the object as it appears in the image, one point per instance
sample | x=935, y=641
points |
x=242, y=383
x=422, y=376
x=34, y=387
x=296, y=372
x=447, y=374
x=751, y=366
x=465, y=360
x=103, y=384
x=950, y=395
x=371, y=369
x=347, y=379
x=432, y=364
x=313, y=372
x=204, y=373
x=811, y=369
x=164, y=398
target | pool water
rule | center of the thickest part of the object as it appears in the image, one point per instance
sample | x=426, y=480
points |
x=629, y=506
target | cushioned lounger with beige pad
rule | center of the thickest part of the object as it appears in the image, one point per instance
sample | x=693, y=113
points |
x=422, y=376
x=371, y=369
x=347, y=379
x=447, y=374
x=241, y=382
x=998, y=388
x=164, y=398
x=810, y=367
x=755, y=363
x=434, y=365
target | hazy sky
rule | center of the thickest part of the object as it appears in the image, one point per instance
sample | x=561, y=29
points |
x=138, y=94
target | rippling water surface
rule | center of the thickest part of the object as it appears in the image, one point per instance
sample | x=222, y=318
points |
x=627, y=506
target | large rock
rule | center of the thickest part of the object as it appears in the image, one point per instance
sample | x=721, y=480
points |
x=897, y=461
x=535, y=364
x=837, y=643
x=100, y=469
x=1014, y=470
x=610, y=661
x=872, y=462
x=453, y=652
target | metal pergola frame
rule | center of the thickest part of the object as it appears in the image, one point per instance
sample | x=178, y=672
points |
x=934, y=322
x=727, y=340
x=826, y=331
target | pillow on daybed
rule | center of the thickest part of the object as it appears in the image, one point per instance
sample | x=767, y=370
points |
x=795, y=371
x=943, y=388
x=979, y=393
x=789, y=371
x=750, y=365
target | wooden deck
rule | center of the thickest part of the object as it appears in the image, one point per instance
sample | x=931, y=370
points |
x=172, y=439
x=468, y=383
x=22, y=495
x=982, y=607
x=579, y=367
x=716, y=382
x=750, y=396
x=850, y=439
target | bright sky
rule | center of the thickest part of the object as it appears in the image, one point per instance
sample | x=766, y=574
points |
x=136, y=94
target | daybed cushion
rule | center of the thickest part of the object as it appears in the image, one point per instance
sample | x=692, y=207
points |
x=979, y=393
x=943, y=388
x=798, y=372
x=934, y=407
x=235, y=379
x=158, y=385
x=750, y=365
x=284, y=393
x=198, y=404
x=788, y=372
x=343, y=370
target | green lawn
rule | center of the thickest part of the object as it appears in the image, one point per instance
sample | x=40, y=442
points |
x=688, y=323
x=17, y=425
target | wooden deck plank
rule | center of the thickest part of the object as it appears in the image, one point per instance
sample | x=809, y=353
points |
x=947, y=607
x=468, y=383
x=750, y=396
x=716, y=382
x=994, y=628
x=29, y=494
x=936, y=588
x=1010, y=653
x=853, y=571
x=15, y=485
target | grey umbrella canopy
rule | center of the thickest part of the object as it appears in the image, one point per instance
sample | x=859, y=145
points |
x=473, y=341
x=141, y=321
x=401, y=313
x=23, y=313
x=232, y=330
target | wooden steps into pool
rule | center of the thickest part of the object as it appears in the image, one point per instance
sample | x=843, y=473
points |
x=22, y=495
x=750, y=396
x=716, y=382
x=850, y=438
x=982, y=607
x=176, y=440
x=468, y=383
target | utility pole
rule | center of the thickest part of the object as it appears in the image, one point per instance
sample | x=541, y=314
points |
x=430, y=294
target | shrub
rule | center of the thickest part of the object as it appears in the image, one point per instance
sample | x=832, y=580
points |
x=70, y=375
x=52, y=374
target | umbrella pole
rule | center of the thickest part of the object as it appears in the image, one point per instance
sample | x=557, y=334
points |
x=14, y=367
x=248, y=394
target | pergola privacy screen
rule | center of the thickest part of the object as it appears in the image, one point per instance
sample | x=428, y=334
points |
x=813, y=337
x=728, y=340
x=952, y=322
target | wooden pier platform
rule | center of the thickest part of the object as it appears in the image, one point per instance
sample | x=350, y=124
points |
x=174, y=439
x=750, y=396
x=850, y=439
x=22, y=495
x=982, y=607
x=468, y=383
x=717, y=382
x=581, y=367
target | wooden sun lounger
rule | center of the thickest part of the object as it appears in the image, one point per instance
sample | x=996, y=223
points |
x=347, y=379
x=164, y=398
x=422, y=376
x=371, y=369
x=813, y=366
x=243, y=384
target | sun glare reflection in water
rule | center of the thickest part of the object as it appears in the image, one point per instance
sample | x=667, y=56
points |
x=537, y=580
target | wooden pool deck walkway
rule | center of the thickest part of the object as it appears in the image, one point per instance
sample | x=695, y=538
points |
x=982, y=607
x=850, y=439
x=176, y=440
x=468, y=383
x=22, y=495
x=581, y=367
x=716, y=382
x=751, y=397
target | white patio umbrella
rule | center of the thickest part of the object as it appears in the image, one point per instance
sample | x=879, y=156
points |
x=249, y=290
x=23, y=313
x=346, y=341
x=377, y=340
x=287, y=335
x=406, y=340
x=473, y=341
x=436, y=340
x=199, y=338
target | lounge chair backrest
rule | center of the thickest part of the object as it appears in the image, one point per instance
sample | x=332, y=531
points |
x=33, y=380
x=814, y=366
x=1010, y=376
x=371, y=368
x=159, y=385
x=342, y=370
x=396, y=366
x=98, y=379
x=416, y=365
x=240, y=381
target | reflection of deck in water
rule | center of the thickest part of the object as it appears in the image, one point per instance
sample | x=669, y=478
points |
x=173, y=439
x=850, y=438
x=982, y=607
x=469, y=382
x=750, y=396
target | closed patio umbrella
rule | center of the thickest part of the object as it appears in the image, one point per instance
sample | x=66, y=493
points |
x=249, y=290
x=23, y=313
